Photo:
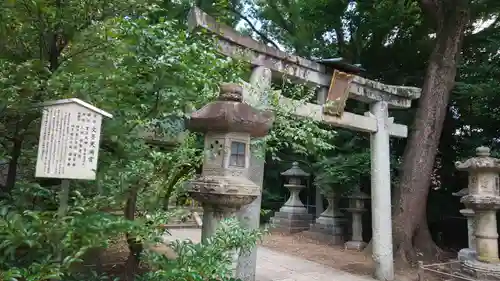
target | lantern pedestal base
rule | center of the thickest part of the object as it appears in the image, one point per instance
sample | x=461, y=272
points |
x=481, y=270
x=467, y=254
x=330, y=225
x=355, y=245
x=286, y=222
x=356, y=242
x=327, y=233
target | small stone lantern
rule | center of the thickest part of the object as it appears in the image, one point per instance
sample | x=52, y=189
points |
x=356, y=208
x=223, y=186
x=470, y=251
x=293, y=216
x=484, y=199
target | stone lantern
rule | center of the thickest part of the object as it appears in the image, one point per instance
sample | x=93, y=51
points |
x=293, y=216
x=223, y=186
x=470, y=251
x=484, y=199
x=356, y=208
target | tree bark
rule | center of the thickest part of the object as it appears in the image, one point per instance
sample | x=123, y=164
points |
x=13, y=163
x=134, y=245
x=410, y=223
x=423, y=243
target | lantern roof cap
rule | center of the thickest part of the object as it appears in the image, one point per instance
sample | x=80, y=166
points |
x=295, y=171
x=230, y=114
x=482, y=161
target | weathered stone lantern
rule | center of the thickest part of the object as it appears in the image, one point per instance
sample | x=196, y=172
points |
x=470, y=251
x=356, y=208
x=484, y=199
x=223, y=186
x=293, y=216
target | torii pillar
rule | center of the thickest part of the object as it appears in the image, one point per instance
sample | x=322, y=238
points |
x=249, y=215
x=382, y=248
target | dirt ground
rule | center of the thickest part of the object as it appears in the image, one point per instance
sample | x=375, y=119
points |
x=309, y=249
x=353, y=262
x=337, y=257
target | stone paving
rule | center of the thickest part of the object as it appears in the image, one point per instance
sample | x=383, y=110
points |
x=276, y=266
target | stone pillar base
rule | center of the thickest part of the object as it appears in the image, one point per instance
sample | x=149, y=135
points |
x=481, y=270
x=355, y=245
x=332, y=234
x=290, y=222
x=467, y=254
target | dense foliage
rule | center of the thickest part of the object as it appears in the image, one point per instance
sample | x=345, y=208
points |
x=139, y=62
x=145, y=71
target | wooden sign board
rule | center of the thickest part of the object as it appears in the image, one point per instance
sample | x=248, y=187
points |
x=69, y=140
x=338, y=93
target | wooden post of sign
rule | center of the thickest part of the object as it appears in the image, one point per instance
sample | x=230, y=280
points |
x=63, y=198
x=63, y=209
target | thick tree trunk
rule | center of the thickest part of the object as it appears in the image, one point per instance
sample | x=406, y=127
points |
x=411, y=232
x=423, y=243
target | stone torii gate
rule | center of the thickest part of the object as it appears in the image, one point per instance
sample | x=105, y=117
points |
x=267, y=62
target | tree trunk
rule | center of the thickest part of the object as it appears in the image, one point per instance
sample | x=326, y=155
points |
x=410, y=223
x=423, y=243
x=134, y=245
x=13, y=163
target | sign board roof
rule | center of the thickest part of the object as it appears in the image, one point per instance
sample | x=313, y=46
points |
x=79, y=102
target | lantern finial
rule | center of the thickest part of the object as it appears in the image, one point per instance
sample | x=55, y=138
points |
x=295, y=171
x=231, y=92
x=483, y=151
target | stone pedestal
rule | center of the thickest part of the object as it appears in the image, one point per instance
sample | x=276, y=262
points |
x=356, y=208
x=481, y=270
x=212, y=218
x=471, y=227
x=293, y=204
x=487, y=236
x=329, y=227
x=319, y=203
x=469, y=252
x=290, y=222
x=293, y=216
x=356, y=242
x=484, y=199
